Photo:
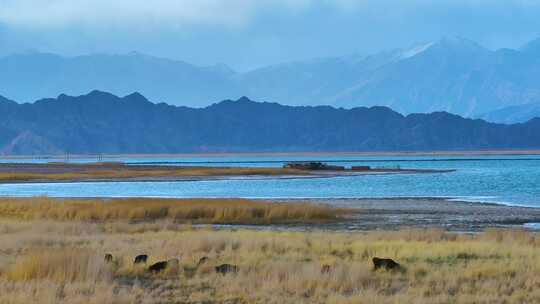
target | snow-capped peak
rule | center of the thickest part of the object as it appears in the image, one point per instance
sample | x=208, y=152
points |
x=415, y=50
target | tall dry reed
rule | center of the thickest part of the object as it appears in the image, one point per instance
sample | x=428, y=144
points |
x=211, y=211
x=61, y=265
x=119, y=171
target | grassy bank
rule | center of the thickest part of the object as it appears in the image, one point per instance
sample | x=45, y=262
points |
x=197, y=211
x=49, y=261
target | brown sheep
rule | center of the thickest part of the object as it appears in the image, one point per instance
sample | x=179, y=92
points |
x=202, y=260
x=326, y=268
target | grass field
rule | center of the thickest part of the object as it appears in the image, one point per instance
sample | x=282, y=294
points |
x=60, y=259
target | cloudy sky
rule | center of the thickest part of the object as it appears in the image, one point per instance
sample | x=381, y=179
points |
x=246, y=34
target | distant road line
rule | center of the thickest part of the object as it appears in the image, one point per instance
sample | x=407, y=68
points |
x=332, y=161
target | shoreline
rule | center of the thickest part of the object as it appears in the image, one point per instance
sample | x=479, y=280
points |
x=426, y=213
x=450, y=199
x=456, y=199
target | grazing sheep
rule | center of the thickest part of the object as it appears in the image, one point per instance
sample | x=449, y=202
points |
x=160, y=266
x=326, y=268
x=108, y=258
x=226, y=268
x=202, y=261
x=386, y=264
x=141, y=258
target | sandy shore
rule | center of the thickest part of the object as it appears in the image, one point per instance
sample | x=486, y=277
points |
x=401, y=213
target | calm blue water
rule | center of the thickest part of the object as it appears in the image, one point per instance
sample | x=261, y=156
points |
x=500, y=179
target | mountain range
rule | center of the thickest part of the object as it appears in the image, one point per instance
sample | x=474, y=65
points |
x=453, y=74
x=101, y=122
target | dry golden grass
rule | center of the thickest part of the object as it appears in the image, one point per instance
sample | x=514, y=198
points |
x=118, y=171
x=65, y=265
x=62, y=262
x=199, y=211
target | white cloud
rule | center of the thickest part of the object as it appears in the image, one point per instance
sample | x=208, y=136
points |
x=125, y=13
x=51, y=14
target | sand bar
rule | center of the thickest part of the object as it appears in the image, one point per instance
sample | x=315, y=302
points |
x=119, y=172
x=402, y=213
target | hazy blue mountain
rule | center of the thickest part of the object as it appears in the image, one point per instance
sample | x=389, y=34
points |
x=454, y=75
x=313, y=82
x=101, y=122
x=27, y=77
x=532, y=47
x=439, y=77
x=513, y=114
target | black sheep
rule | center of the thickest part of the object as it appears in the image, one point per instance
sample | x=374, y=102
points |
x=386, y=264
x=226, y=268
x=141, y=258
x=108, y=258
x=160, y=266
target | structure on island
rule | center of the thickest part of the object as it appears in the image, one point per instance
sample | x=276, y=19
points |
x=360, y=168
x=313, y=165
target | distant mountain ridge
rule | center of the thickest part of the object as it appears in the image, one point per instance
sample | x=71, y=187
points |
x=28, y=77
x=453, y=74
x=513, y=114
x=101, y=122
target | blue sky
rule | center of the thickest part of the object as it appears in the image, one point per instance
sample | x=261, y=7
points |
x=246, y=34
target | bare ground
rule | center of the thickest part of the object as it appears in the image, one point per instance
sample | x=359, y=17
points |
x=400, y=213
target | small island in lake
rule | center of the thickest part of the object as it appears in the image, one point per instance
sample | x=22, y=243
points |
x=113, y=171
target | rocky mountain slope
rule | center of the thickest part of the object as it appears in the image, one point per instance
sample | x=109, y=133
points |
x=100, y=122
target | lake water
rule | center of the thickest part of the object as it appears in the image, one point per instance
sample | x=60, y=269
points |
x=498, y=179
